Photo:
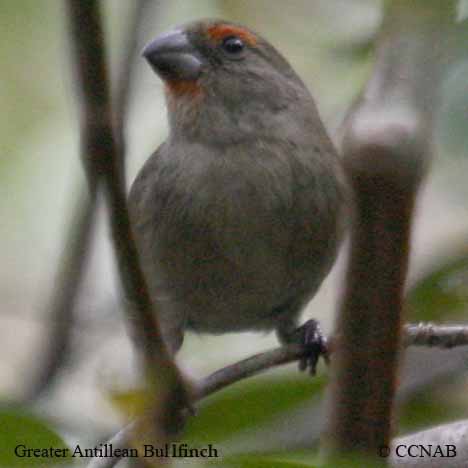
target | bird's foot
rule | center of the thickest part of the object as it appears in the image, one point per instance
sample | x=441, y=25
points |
x=315, y=343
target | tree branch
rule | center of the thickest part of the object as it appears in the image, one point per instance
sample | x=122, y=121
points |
x=247, y=368
x=441, y=336
x=78, y=239
x=422, y=334
x=387, y=146
x=101, y=156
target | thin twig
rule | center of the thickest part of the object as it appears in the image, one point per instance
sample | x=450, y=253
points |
x=247, y=368
x=422, y=334
x=440, y=336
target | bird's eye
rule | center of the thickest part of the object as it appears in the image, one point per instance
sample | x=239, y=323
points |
x=233, y=45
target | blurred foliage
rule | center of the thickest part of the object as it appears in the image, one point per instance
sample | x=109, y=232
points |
x=244, y=406
x=442, y=293
x=249, y=405
x=256, y=461
x=452, y=121
x=297, y=458
x=239, y=409
x=19, y=427
x=431, y=407
x=28, y=89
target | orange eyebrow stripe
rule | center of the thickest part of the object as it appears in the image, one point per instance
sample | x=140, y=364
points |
x=222, y=31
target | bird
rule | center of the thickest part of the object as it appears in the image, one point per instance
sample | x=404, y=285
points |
x=239, y=214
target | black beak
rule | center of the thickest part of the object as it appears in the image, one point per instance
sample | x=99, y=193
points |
x=173, y=57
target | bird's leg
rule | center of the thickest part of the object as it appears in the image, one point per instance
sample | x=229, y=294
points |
x=308, y=335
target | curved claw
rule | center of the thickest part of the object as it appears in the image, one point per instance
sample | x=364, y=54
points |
x=315, y=343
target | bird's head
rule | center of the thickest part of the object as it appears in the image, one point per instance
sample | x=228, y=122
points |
x=222, y=79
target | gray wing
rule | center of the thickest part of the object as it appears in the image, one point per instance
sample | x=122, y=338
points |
x=145, y=205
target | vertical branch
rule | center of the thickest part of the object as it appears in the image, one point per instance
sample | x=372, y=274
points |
x=386, y=148
x=78, y=239
x=101, y=158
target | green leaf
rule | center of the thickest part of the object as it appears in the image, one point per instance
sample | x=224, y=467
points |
x=19, y=431
x=431, y=407
x=298, y=459
x=256, y=461
x=248, y=405
x=442, y=293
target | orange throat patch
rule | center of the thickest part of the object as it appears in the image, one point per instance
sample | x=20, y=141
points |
x=178, y=88
x=183, y=93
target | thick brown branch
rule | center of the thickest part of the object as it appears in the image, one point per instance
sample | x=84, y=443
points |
x=386, y=148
